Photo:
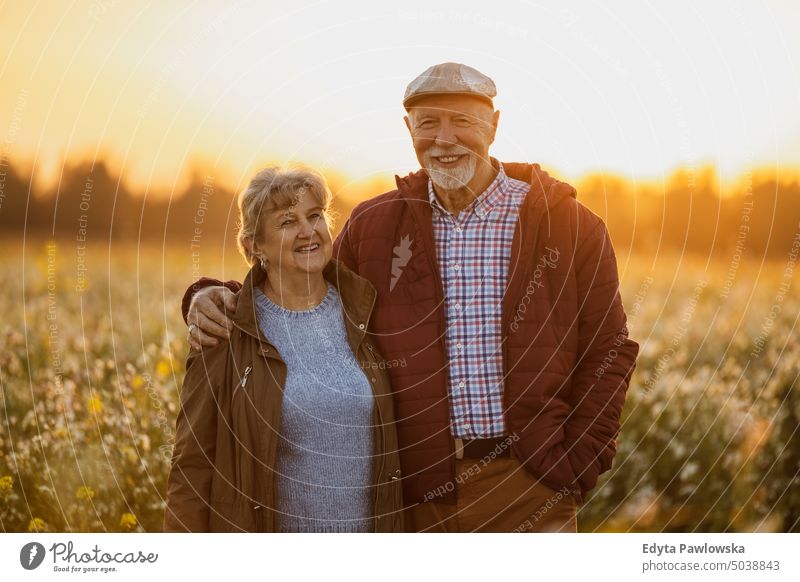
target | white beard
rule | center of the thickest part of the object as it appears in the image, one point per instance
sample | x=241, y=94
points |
x=450, y=178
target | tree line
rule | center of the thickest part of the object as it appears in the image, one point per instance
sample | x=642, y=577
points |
x=688, y=212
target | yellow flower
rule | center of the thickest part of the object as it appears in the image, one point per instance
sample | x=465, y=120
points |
x=128, y=521
x=6, y=483
x=164, y=368
x=37, y=524
x=137, y=381
x=130, y=454
x=94, y=405
x=84, y=492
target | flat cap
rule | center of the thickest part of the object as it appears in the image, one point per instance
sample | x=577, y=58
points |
x=450, y=79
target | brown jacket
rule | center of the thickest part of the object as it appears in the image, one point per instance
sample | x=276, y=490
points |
x=225, y=451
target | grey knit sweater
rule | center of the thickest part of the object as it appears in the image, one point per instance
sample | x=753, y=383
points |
x=325, y=453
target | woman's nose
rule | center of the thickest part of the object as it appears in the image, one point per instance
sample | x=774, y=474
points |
x=306, y=229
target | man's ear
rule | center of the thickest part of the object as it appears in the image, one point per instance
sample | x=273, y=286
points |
x=408, y=123
x=495, y=120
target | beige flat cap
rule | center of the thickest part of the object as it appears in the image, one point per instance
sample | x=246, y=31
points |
x=450, y=79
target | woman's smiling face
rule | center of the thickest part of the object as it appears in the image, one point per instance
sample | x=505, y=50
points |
x=295, y=240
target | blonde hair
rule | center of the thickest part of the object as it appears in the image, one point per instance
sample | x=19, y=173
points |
x=277, y=188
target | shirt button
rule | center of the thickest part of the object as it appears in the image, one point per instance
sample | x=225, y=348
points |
x=458, y=229
x=462, y=384
x=456, y=266
x=458, y=306
x=361, y=326
x=374, y=379
x=459, y=346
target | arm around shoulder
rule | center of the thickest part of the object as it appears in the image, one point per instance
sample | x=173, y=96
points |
x=202, y=283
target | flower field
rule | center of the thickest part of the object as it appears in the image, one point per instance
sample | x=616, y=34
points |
x=92, y=356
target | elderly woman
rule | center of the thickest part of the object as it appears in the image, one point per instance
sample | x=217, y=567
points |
x=288, y=426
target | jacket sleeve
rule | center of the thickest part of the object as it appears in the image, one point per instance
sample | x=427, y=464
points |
x=605, y=361
x=189, y=483
x=201, y=283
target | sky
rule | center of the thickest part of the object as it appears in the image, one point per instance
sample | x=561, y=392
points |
x=162, y=88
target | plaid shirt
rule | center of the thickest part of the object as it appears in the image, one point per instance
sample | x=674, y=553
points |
x=474, y=252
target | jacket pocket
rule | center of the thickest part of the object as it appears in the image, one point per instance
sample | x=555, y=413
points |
x=551, y=418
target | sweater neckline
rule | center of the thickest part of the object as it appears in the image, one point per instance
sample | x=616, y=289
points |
x=269, y=305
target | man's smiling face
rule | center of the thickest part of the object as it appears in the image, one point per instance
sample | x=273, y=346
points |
x=451, y=136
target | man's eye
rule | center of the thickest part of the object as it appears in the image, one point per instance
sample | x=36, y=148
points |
x=287, y=222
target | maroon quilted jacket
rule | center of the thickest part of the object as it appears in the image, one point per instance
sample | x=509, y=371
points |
x=568, y=359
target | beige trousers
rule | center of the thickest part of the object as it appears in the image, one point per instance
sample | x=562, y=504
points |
x=498, y=497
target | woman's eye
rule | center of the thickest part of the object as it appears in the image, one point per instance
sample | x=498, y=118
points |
x=315, y=215
x=286, y=222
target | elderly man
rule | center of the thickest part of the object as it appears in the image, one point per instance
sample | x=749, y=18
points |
x=499, y=315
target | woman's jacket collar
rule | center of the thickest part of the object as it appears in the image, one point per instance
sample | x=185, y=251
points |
x=357, y=294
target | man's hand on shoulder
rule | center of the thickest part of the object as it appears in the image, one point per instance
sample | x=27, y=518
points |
x=208, y=323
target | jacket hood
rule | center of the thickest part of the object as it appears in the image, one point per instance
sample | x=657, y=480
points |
x=357, y=294
x=415, y=185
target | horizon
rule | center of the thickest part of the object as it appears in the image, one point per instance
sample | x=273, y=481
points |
x=728, y=185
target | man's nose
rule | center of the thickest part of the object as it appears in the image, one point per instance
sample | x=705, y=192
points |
x=445, y=136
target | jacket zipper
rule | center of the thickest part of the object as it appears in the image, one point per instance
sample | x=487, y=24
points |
x=505, y=317
x=243, y=382
x=247, y=371
x=378, y=479
x=241, y=385
x=535, y=229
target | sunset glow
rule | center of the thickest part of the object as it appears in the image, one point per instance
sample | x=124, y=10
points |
x=161, y=88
